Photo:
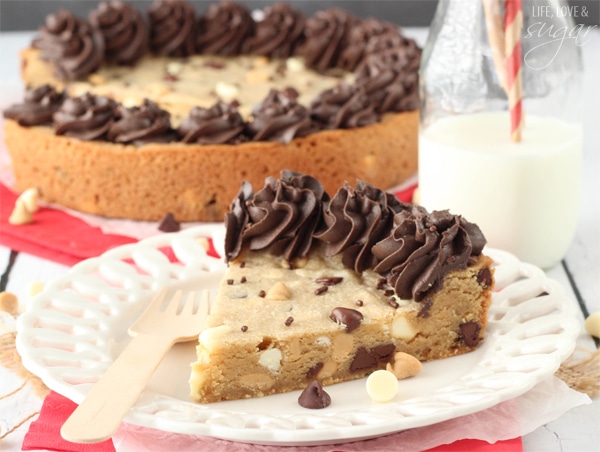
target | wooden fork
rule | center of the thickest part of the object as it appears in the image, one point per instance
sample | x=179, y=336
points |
x=154, y=333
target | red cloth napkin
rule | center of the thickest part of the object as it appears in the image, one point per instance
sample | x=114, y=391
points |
x=54, y=234
x=44, y=433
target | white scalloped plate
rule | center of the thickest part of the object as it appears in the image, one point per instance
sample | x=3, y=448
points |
x=74, y=329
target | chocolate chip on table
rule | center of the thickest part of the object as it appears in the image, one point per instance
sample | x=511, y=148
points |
x=345, y=316
x=314, y=397
x=169, y=224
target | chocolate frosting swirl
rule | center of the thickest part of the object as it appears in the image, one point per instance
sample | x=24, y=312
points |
x=423, y=247
x=172, y=26
x=355, y=220
x=141, y=125
x=224, y=29
x=359, y=38
x=236, y=220
x=71, y=44
x=326, y=35
x=39, y=106
x=219, y=124
x=124, y=30
x=86, y=117
x=343, y=106
x=282, y=216
x=279, y=33
x=389, y=77
x=280, y=118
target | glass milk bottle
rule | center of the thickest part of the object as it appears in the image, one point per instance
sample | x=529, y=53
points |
x=524, y=195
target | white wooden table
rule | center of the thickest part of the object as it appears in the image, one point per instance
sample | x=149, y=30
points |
x=576, y=431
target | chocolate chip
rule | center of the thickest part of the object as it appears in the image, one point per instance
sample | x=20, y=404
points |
x=424, y=312
x=469, y=333
x=329, y=281
x=290, y=92
x=230, y=282
x=169, y=224
x=384, y=352
x=242, y=264
x=345, y=316
x=359, y=303
x=381, y=283
x=170, y=78
x=289, y=321
x=243, y=279
x=314, y=397
x=393, y=303
x=262, y=294
x=321, y=290
x=244, y=328
x=314, y=370
x=484, y=277
x=214, y=64
x=362, y=360
x=388, y=292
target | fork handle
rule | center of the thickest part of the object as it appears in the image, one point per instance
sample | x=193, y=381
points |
x=109, y=400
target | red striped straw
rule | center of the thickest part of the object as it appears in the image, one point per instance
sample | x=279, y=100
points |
x=513, y=23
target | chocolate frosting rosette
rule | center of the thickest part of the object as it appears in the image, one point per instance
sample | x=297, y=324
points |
x=39, y=107
x=282, y=216
x=423, y=247
x=86, y=117
x=219, y=124
x=389, y=76
x=224, y=29
x=71, y=44
x=354, y=220
x=141, y=125
x=279, y=33
x=124, y=30
x=342, y=107
x=172, y=26
x=326, y=35
x=359, y=38
x=280, y=118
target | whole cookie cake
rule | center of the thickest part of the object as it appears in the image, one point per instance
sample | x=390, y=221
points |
x=135, y=114
x=329, y=289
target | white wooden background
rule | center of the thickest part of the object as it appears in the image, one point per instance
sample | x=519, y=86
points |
x=576, y=431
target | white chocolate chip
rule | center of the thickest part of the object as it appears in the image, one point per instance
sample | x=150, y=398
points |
x=592, y=324
x=9, y=303
x=279, y=291
x=271, y=359
x=35, y=288
x=174, y=68
x=402, y=329
x=294, y=64
x=226, y=91
x=20, y=214
x=30, y=199
x=404, y=366
x=382, y=386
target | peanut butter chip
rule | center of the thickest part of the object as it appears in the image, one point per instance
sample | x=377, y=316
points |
x=279, y=291
x=592, y=324
x=382, y=386
x=404, y=366
x=20, y=214
x=30, y=198
x=9, y=302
